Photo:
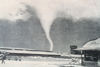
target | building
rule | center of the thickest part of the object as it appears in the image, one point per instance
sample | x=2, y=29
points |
x=90, y=51
x=72, y=51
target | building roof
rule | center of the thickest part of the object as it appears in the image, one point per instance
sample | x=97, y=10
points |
x=91, y=45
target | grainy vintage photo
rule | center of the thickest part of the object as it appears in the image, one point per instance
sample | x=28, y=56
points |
x=49, y=33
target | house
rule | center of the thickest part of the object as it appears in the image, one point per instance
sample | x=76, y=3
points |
x=90, y=51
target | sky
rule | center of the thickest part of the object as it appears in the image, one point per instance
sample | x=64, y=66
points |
x=48, y=10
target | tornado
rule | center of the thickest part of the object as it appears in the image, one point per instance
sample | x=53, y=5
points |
x=49, y=39
x=46, y=21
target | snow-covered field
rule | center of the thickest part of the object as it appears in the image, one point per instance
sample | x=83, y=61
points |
x=36, y=64
x=26, y=64
x=41, y=62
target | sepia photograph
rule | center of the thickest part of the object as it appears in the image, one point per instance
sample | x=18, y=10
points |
x=49, y=33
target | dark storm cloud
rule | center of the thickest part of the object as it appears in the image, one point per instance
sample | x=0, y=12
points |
x=23, y=34
x=66, y=32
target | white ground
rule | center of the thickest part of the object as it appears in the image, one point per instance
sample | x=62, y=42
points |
x=26, y=64
x=38, y=63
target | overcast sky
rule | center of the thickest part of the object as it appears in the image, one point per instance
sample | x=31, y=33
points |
x=48, y=9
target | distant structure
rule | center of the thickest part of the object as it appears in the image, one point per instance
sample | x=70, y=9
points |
x=72, y=51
